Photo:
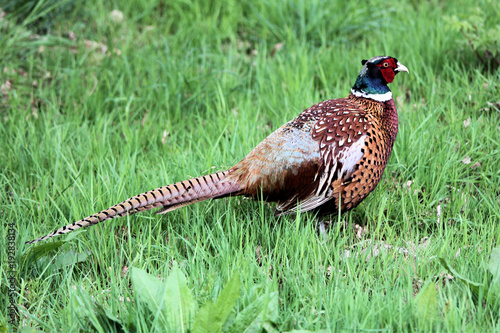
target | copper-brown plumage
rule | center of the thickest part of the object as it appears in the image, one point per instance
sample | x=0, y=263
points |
x=327, y=159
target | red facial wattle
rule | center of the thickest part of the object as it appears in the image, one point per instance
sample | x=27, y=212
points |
x=387, y=68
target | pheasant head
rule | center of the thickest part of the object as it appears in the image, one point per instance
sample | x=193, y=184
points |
x=375, y=75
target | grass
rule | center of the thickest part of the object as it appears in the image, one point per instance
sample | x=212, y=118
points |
x=95, y=110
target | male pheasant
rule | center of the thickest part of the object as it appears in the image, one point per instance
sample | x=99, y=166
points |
x=326, y=160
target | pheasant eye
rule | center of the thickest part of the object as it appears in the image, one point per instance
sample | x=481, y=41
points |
x=385, y=64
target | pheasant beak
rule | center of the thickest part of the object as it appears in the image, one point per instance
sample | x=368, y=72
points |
x=401, y=68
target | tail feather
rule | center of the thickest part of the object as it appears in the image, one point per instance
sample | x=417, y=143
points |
x=168, y=197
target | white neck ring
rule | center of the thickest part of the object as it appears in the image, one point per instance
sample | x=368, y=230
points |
x=377, y=97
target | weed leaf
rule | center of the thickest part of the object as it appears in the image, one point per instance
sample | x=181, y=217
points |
x=149, y=288
x=212, y=316
x=263, y=310
x=227, y=299
x=427, y=303
x=37, y=252
x=473, y=286
x=70, y=258
x=203, y=323
x=494, y=265
x=180, y=306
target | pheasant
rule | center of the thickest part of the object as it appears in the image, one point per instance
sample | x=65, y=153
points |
x=327, y=160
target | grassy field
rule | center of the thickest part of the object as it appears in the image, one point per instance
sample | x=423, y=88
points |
x=102, y=100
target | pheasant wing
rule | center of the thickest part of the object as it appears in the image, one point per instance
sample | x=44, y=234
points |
x=340, y=133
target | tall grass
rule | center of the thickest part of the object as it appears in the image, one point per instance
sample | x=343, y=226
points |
x=95, y=109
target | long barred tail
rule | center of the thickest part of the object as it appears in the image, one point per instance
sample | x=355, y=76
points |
x=168, y=197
